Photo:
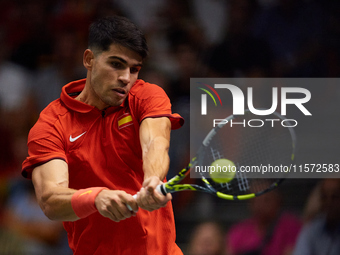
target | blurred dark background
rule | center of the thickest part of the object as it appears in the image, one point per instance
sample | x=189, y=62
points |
x=41, y=47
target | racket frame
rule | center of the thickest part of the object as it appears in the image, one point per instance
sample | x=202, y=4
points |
x=173, y=185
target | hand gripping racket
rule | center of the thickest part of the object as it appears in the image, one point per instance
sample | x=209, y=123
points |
x=242, y=157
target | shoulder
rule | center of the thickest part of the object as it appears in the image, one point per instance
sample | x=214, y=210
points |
x=48, y=119
x=144, y=90
x=55, y=109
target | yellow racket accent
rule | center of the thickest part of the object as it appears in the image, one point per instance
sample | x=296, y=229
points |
x=230, y=197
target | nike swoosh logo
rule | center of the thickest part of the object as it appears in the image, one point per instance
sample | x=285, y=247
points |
x=75, y=138
x=86, y=192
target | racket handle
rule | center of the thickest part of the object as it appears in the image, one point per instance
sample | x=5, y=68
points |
x=159, y=190
x=128, y=206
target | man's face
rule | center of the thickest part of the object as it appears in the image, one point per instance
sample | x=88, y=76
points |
x=112, y=74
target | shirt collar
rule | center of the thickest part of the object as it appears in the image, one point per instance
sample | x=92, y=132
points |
x=75, y=87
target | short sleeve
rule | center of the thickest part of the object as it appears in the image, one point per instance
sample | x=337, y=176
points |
x=150, y=101
x=44, y=144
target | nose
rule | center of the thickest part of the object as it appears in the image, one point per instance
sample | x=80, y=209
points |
x=124, y=76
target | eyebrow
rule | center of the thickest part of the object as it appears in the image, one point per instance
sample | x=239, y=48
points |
x=124, y=61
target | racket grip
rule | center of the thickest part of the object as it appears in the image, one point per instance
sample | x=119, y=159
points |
x=159, y=189
x=128, y=206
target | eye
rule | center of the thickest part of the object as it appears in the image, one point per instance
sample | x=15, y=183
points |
x=134, y=69
x=116, y=64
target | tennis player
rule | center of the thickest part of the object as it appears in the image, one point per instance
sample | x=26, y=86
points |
x=105, y=139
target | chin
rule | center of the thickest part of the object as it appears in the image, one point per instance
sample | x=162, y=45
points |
x=117, y=103
x=114, y=101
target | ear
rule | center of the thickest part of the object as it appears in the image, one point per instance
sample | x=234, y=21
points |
x=88, y=59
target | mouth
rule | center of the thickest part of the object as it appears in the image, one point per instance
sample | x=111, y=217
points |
x=120, y=91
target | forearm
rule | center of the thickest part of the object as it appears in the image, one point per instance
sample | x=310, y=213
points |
x=155, y=166
x=62, y=203
x=156, y=159
x=56, y=204
x=155, y=141
x=50, y=182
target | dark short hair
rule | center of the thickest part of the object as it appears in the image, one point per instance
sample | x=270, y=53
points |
x=117, y=30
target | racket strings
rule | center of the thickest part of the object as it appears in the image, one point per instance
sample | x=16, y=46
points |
x=253, y=150
x=216, y=153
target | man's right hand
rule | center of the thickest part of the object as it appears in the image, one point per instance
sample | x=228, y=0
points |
x=112, y=204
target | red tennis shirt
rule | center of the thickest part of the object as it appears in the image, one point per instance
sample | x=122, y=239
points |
x=102, y=148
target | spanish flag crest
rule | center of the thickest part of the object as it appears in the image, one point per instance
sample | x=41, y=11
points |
x=125, y=120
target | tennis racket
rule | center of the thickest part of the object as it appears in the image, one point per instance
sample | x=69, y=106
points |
x=259, y=151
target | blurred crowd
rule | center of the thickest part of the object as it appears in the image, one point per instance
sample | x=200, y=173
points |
x=41, y=47
x=271, y=229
